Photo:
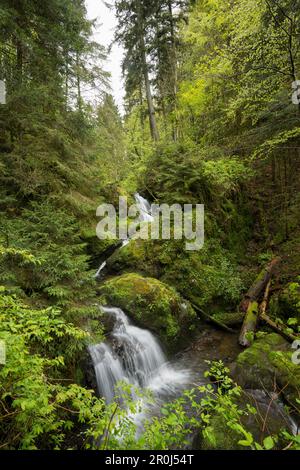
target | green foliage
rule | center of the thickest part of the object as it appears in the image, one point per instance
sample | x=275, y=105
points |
x=57, y=267
x=215, y=80
x=37, y=410
x=175, y=425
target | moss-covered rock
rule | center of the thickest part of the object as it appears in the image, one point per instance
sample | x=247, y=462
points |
x=207, y=275
x=153, y=305
x=139, y=256
x=268, y=363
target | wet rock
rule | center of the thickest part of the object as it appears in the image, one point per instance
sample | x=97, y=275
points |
x=268, y=365
x=152, y=305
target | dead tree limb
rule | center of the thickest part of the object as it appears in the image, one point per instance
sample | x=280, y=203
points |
x=258, y=287
x=249, y=325
x=261, y=287
x=264, y=304
x=279, y=329
x=211, y=319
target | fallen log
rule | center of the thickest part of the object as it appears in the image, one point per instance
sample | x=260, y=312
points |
x=279, y=329
x=232, y=319
x=250, y=304
x=249, y=325
x=211, y=319
x=264, y=304
x=258, y=287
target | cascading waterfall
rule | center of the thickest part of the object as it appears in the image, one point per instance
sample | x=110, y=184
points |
x=144, y=207
x=136, y=357
x=145, y=215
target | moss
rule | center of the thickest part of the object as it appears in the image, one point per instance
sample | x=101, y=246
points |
x=208, y=274
x=138, y=255
x=152, y=305
x=289, y=301
x=229, y=318
x=267, y=362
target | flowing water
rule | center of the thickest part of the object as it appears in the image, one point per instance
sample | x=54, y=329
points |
x=144, y=207
x=145, y=215
x=135, y=356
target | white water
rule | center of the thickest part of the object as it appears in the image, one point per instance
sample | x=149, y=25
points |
x=144, y=207
x=136, y=358
x=145, y=215
x=102, y=267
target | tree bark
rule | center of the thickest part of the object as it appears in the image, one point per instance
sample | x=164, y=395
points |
x=258, y=287
x=279, y=329
x=211, y=319
x=174, y=66
x=249, y=325
x=151, y=110
x=250, y=304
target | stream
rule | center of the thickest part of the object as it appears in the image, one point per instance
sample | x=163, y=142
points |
x=135, y=356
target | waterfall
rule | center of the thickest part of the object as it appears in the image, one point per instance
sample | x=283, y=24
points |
x=144, y=208
x=135, y=357
x=102, y=267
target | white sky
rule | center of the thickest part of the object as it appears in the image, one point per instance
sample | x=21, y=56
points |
x=104, y=35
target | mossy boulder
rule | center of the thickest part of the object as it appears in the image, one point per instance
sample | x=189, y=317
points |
x=207, y=275
x=268, y=363
x=138, y=255
x=152, y=305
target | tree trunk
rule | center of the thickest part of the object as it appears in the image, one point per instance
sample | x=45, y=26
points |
x=258, y=287
x=250, y=304
x=279, y=329
x=249, y=325
x=78, y=82
x=174, y=67
x=211, y=319
x=151, y=110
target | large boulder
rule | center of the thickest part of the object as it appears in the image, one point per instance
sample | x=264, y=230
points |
x=139, y=256
x=206, y=277
x=152, y=305
x=267, y=365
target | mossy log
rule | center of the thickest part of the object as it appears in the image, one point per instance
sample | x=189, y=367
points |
x=211, y=319
x=257, y=289
x=279, y=329
x=249, y=325
x=260, y=288
x=264, y=304
x=272, y=324
x=231, y=319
